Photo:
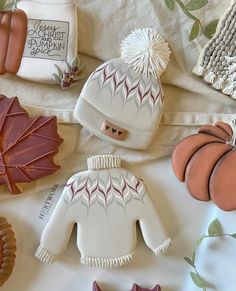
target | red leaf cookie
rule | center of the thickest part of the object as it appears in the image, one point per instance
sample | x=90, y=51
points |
x=27, y=145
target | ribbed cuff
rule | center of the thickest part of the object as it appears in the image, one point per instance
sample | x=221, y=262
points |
x=163, y=249
x=44, y=256
x=103, y=162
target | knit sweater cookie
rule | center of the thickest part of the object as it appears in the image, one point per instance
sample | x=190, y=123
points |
x=105, y=201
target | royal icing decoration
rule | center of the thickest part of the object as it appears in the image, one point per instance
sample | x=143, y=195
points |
x=206, y=161
x=122, y=101
x=27, y=145
x=102, y=200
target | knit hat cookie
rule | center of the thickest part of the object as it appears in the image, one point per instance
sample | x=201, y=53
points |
x=105, y=201
x=217, y=62
x=122, y=101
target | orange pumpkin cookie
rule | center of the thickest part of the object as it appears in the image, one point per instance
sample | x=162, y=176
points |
x=206, y=161
x=7, y=250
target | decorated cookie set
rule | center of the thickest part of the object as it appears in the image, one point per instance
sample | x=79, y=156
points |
x=122, y=103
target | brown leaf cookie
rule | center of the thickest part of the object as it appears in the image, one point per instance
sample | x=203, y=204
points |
x=27, y=145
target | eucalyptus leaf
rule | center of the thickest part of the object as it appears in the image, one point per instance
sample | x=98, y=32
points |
x=197, y=280
x=56, y=79
x=193, y=256
x=194, y=31
x=170, y=4
x=195, y=4
x=211, y=28
x=68, y=67
x=189, y=261
x=59, y=72
x=74, y=62
x=214, y=228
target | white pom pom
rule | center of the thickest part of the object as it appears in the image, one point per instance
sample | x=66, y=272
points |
x=146, y=52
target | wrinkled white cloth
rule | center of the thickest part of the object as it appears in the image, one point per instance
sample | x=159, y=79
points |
x=189, y=102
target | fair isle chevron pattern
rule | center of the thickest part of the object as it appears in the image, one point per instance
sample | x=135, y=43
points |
x=89, y=190
x=142, y=90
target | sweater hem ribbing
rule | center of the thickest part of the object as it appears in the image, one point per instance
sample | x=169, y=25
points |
x=106, y=262
x=44, y=256
x=163, y=249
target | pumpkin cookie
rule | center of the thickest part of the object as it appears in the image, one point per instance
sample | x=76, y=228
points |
x=7, y=250
x=206, y=161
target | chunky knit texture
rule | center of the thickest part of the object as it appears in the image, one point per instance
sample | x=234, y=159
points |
x=217, y=62
x=105, y=201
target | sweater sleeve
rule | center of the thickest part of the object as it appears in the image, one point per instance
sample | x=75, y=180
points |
x=152, y=229
x=57, y=232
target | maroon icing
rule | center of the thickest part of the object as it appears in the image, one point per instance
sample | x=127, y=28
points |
x=27, y=145
x=96, y=287
x=134, y=288
x=137, y=288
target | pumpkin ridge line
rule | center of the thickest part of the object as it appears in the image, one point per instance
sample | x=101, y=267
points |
x=9, y=37
x=213, y=168
x=6, y=32
x=197, y=151
x=1, y=16
x=221, y=127
x=209, y=133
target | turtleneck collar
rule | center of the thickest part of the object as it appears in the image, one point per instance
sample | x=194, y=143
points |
x=103, y=162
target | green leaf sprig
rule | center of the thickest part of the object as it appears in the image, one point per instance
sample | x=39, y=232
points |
x=6, y=5
x=71, y=75
x=197, y=26
x=214, y=231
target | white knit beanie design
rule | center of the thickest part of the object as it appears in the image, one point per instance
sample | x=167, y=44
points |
x=122, y=101
x=217, y=61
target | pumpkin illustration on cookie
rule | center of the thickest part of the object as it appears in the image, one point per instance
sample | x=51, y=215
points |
x=206, y=161
x=13, y=32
